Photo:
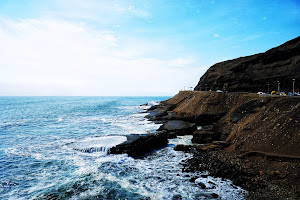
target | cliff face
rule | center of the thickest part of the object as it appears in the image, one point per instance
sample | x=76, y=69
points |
x=247, y=122
x=254, y=73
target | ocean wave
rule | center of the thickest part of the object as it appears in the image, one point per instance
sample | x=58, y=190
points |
x=96, y=144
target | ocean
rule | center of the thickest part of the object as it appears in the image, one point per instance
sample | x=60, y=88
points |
x=57, y=148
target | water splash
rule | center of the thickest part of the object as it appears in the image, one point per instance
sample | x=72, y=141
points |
x=97, y=144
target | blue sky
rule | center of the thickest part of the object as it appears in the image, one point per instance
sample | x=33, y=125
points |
x=119, y=47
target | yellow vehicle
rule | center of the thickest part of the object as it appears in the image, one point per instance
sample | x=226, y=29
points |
x=283, y=93
x=273, y=93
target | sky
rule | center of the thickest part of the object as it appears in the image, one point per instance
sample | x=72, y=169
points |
x=131, y=47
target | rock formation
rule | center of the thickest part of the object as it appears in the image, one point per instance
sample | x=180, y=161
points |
x=251, y=139
x=254, y=73
x=247, y=122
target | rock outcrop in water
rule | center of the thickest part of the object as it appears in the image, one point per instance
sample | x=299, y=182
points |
x=254, y=73
x=138, y=145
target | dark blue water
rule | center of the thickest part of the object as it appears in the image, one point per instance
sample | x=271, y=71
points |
x=43, y=143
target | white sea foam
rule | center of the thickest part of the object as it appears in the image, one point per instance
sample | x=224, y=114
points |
x=97, y=144
x=223, y=187
x=131, y=124
x=158, y=176
x=153, y=103
x=149, y=105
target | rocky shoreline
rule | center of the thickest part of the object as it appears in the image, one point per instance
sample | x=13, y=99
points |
x=271, y=172
x=250, y=139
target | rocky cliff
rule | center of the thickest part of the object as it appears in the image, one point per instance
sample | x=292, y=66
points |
x=254, y=73
x=251, y=139
x=247, y=122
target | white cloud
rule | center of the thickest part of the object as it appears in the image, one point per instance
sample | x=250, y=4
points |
x=55, y=57
x=216, y=35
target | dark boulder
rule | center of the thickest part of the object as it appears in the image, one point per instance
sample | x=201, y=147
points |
x=177, y=197
x=214, y=195
x=138, y=145
x=193, y=179
x=159, y=113
x=202, y=185
x=182, y=147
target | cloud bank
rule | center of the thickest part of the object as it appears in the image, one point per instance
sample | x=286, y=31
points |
x=59, y=57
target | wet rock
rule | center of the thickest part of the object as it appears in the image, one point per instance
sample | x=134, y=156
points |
x=177, y=197
x=193, y=179
x=202, y=185
x=145, y=198
x=159, y=113
x=214, y=195
x=138, y=145
x=179, y=127
x=133, y=182
x=185, y=148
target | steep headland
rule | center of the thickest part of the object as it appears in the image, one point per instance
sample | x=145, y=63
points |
x=254, y=73
x=252, y=139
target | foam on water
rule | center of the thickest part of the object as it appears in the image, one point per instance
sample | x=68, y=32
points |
x=97, y=144
x=132, y=124
x=158, y=176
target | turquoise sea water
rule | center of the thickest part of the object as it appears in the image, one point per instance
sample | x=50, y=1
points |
x=43, y=143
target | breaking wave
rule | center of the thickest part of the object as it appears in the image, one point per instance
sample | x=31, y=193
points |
x=97, y=144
